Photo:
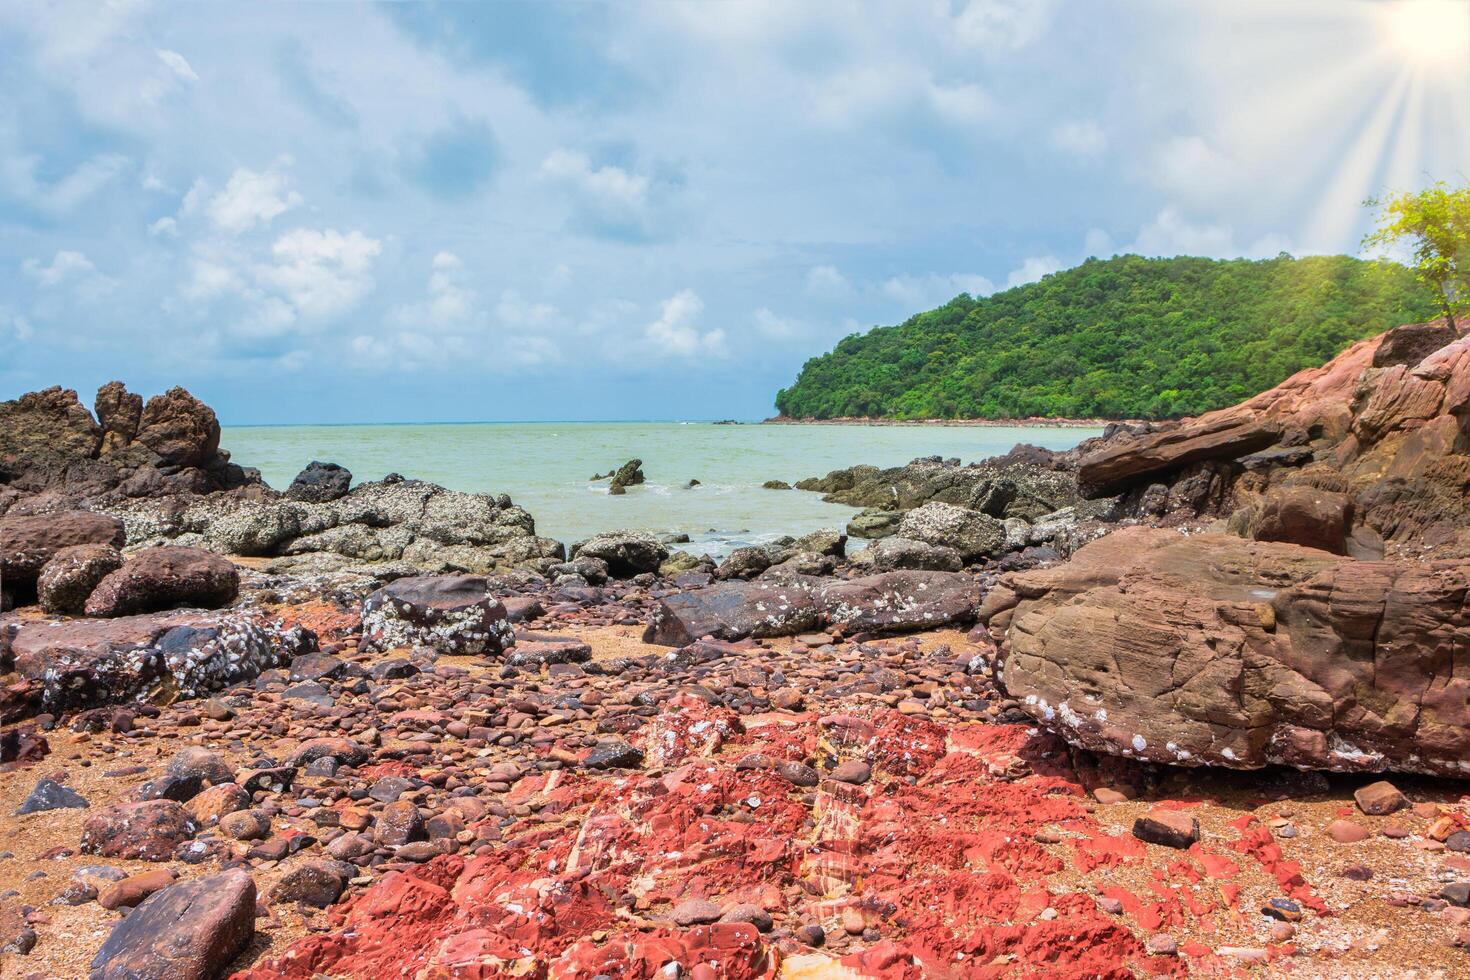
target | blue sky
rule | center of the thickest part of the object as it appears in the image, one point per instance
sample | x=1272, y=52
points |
x=517, y=210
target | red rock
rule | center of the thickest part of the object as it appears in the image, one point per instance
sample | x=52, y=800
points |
x=145, y=831
x=133, y=889
x=1380, y=798
x=1347, y=832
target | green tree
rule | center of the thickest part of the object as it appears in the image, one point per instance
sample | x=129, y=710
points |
x=1436, y=221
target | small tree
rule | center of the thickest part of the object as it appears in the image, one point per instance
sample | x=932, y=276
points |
x=1436, y=221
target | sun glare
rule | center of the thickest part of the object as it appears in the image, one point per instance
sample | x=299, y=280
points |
x=1430, y=33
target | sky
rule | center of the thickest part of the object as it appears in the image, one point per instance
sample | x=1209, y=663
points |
x=331, y=212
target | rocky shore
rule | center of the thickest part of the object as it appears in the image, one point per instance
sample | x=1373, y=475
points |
x=1184, y=699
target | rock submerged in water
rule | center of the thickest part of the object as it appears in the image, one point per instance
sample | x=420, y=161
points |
x=1213, y=650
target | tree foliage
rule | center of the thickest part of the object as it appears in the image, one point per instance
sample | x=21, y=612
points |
x=1436, y=221
x=1126, y=337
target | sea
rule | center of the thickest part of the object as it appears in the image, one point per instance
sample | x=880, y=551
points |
x=546, y=467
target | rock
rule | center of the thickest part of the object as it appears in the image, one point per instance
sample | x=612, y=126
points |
x=613, y=754
x=199, y=763
x=972, y=533
x=775, y=485
x=344, y=750
x=1457, y=893
x=1379, y=799
x=893, y=601
x=798, y=774
x=88, y=663
x=53, y=421
x=398, y=823
x=1301, y=515
x=246, y=825
x=1026, y=482
x=1162, y=944
x=120, y=413
x=751, y=914
x=180, y=429
x=892, y=553
x=51, y=795
x=188, y=931
x=134, y=889
x=1209, y=650
x=1124, y=462
x=211, y=805
x=874, y=523
x=314, y=883
x=452, y=614
x=626, y=553
x=1347, y=832
x=694, y=912
x=630, y=474
x=73, y=573
x=155, y=579
x=320, y=483
x=146, y=831
x=1171, y=828
x=852, y=771
x=27, y=543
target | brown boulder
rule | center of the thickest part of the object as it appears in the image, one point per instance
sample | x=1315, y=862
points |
x=50, y=421
x=187, y=931
x=891, y=602
x=28, y=542
x=1212, y=650
x=72, y=573
x=1124, y=462
x=166, y=578
x=1301, y=515
x=120, y=412
x=146, y=831
x=180, y=429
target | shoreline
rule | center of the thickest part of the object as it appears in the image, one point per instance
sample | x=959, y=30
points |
x=1031, y=423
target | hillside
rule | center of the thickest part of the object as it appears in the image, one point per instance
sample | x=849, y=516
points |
x=1126, y=337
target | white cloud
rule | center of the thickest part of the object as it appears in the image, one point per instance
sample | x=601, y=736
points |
x=1079, y=137
x=15, y=327
x=20, y=178
x=249, y=199
x=993, y=24
x=210, y=279
x=164, y=228
x=769, y=324
x=1171, y=233
x=66, y=266
x=1189, y=167
x=608, y=198
x=321, y=273
x=918, y=293
x=674, y=333
x=827, y=281
x=1033, y=269
x=448, y=303
x=178, y=64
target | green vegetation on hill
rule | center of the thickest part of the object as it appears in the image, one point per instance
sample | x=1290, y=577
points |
x=1126, y=337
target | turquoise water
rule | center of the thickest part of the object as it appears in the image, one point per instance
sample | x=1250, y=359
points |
x=545, y=466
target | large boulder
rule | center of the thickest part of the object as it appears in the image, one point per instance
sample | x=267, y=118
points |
x=149, y=830
x=786, y=605
x=180, y=429
x=1300, y=514
x=190, y=930
x=28, y=542
x=1122, y=463
x=320, y=483
x=1209, y=649
x=974, y=534
x=50, y=421
x=73, y=573
x=893, y=553
x=166, y=578
x=453, y=614
x=87, y=663
x=119, y=412
x=627, y=553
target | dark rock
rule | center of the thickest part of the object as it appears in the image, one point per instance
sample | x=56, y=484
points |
x=615, y=754
x=120, y=413
x=627, y=553
x=51, y=795
x=320, y=483
x=1171, y=828
x=188, y=931
x=180, y=429
x=314, y=883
